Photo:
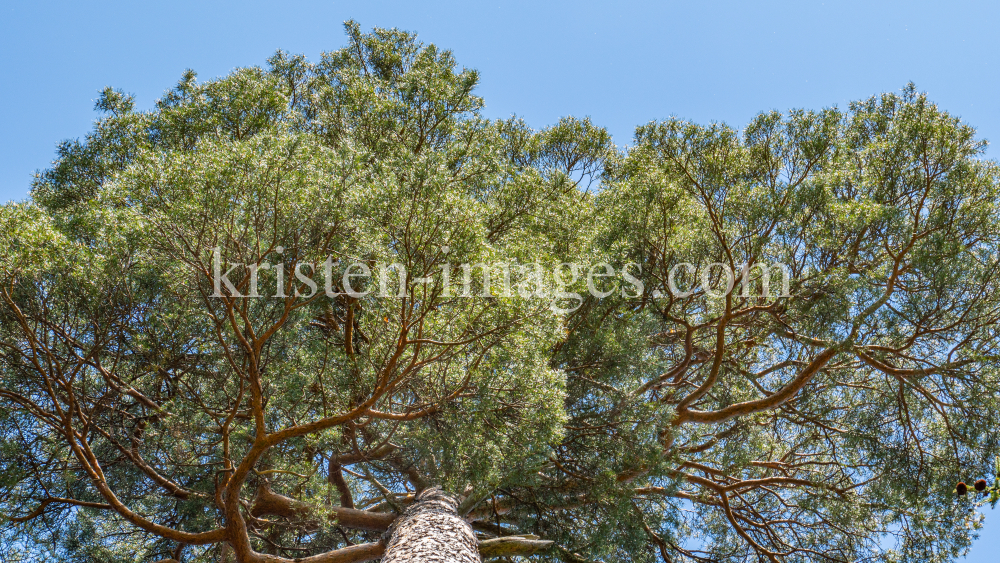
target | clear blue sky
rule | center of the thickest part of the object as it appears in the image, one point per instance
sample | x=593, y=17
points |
x=622, y=63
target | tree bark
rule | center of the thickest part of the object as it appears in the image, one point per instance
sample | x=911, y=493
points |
x=430, y=530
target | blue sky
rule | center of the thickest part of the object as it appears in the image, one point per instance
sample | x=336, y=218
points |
x=622, y=63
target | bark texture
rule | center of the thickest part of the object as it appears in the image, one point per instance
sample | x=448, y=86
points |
x=431, y=531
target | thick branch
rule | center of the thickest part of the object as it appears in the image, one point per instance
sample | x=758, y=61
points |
x=771, y=401
x=269, y=503
x=512, y=546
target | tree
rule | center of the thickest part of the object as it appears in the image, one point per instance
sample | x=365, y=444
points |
x=193, y=366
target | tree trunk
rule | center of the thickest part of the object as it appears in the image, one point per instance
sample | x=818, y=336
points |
x=431, y=531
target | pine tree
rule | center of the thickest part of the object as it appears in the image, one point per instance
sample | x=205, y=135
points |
x=793, y=359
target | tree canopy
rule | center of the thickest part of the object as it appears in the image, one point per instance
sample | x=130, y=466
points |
x=821, y=409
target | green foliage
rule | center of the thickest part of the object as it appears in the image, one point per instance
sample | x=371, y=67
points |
x=831, y=422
